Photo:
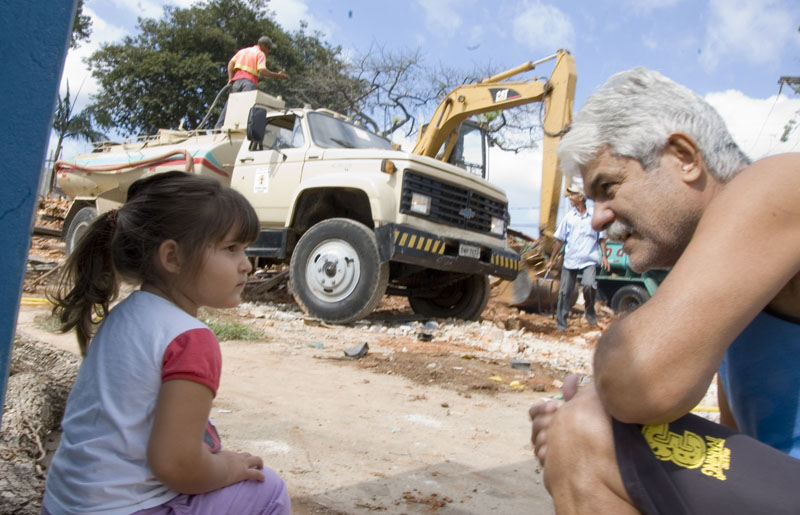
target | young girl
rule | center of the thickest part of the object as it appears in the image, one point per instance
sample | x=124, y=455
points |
x=136, y=435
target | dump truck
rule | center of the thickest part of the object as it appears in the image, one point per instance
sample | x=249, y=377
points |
x=353, y=217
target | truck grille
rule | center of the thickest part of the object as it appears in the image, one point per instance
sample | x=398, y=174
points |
x=451, y=204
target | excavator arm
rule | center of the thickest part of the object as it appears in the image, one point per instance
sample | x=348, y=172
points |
x=494, y=94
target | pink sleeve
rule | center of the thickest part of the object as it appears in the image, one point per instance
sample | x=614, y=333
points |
x=193, y=356
x=262, y=60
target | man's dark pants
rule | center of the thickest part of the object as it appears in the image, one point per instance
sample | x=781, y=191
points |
x=567, y=286
x=237, y=86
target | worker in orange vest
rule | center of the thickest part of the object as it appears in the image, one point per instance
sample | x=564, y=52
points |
x=246, y=66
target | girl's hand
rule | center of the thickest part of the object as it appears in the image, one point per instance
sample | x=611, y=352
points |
x=175, y=452
x=243, y=465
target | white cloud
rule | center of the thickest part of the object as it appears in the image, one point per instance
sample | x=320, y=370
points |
x=754, y=31
x=289, y=14
x=75, y=69
x=441, y=16
x=144, y=8
x=543, y=28
x=520, y=176
x=757, y=124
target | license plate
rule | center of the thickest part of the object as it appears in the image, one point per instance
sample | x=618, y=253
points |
x=470, y=251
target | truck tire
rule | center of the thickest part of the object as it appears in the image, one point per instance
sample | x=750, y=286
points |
x=78, y=226
x=335, y=271
x=465, y=299
x=628, y=298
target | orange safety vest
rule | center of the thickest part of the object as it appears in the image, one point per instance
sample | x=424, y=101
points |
x=247, y=62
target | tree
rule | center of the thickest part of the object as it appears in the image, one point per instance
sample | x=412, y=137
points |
x=170, y=73
x=66, y=125
x=81, y=27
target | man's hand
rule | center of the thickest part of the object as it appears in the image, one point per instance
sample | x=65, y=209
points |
x=283, y=75
x=604, y=263
x=541, y=415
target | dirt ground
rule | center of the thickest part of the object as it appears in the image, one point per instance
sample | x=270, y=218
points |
x=433, y=419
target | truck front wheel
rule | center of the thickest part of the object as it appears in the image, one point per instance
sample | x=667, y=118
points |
x=628, y=298
x=78, y=226
x=465, y=299
x=335, y=272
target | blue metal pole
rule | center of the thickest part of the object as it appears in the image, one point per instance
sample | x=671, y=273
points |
x=34, y=36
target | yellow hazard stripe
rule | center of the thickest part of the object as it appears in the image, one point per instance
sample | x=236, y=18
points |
x=33, y=301
x=417, y=242
x=246, y=68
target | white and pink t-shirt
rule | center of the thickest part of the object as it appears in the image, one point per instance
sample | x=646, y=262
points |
x=101, y=463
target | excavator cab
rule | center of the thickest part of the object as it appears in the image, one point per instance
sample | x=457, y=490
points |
x=468, y=150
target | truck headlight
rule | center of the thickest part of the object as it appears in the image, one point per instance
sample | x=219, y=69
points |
x=498, y=226
x=420, y=204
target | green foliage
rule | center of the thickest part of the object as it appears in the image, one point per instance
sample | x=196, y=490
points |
x=227, y=331
x=171, y=71
x=81, y=27
x=69, y=125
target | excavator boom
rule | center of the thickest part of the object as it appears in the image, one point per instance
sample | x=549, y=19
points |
x=494, y=94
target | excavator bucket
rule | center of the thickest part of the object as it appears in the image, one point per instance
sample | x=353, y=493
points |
x=533, y=290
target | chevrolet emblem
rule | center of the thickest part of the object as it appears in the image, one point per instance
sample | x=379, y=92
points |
x=467, y=213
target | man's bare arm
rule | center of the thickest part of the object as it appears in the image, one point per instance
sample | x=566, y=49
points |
x=744, y=251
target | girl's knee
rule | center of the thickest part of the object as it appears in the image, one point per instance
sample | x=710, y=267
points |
x=274, y=493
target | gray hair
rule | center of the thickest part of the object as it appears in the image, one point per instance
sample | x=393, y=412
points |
x=633, y=114
x=266, y=41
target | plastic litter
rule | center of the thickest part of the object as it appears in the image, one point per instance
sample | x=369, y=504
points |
x=357, y=351
x=521, y=364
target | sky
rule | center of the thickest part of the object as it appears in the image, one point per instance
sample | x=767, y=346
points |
x=731, y=52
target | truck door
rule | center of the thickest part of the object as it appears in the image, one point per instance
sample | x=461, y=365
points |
x=268, y=177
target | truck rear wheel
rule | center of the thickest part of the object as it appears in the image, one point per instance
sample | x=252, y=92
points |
x=78, y=226
x=628, y=298
x=335, y=272
x=465, y=299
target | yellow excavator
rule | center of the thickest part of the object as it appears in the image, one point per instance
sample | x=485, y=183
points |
x=446, y=132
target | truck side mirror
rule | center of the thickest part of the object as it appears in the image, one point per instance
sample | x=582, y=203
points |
x=256, y=127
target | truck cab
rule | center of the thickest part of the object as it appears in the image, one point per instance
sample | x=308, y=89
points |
x=341, y=203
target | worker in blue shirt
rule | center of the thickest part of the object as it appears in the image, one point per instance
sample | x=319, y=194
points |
x=584, y=250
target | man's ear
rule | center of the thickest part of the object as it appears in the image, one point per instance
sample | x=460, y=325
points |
x=682, y=150
x=169, y=256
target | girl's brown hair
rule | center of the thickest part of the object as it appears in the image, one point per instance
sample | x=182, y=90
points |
x=194, y=211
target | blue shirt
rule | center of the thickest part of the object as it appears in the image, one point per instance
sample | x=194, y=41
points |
x=761, y=377
x=582, y=242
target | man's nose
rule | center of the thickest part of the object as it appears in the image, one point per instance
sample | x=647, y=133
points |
x=602, y=217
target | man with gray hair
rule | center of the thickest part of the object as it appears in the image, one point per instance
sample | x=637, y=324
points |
x=669, y=182
x=246, y=66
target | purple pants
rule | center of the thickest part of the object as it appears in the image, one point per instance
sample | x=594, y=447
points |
x=243, y=498
x=246, y=497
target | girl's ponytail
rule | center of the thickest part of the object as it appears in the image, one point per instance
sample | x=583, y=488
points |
x=89, y=281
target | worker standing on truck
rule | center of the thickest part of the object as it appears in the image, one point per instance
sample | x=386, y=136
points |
x=246, y=66
x=668, y=181
x=585, y=249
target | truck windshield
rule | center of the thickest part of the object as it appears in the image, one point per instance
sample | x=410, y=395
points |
x=330, y=132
